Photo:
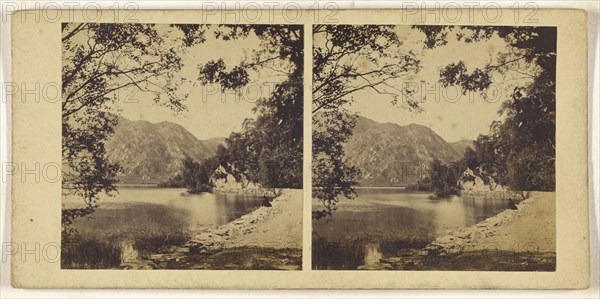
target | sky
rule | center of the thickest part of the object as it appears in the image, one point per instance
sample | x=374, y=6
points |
x=215, y=114
x=210, y=113
x=453, y=118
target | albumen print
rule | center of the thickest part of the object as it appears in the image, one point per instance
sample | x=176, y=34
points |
x=434, y=148
x=181, y=146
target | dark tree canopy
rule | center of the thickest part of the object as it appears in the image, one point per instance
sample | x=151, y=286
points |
x=101, y=61
x=520, y=150
x=269, y=148
x=348, y=59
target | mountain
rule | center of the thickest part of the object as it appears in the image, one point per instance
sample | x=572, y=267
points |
x=213, y=143
x=461, y=145
x=392, y=155
x=152, y=152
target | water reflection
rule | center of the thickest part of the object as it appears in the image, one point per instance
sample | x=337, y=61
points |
x=128, y=252
x=372, y=254
x=381, y=222
x=141, y=220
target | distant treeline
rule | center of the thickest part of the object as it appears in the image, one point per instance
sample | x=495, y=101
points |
x=194, y=175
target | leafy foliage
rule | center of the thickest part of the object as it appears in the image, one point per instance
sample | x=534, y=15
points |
x=269, y=148
x=196, y=176
x=332, y=175
x=519, y=151
x=443, y=178
x=100, y=60
x=348, y=59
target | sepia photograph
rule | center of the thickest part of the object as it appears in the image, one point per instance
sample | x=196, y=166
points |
x=182, y=146
x=434, y=148
x=258, y=148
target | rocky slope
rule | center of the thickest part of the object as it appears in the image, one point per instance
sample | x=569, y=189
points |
x=152, y=152
x=392, y=155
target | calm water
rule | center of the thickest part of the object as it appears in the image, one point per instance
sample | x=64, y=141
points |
x=146, y=218
x=380, y=222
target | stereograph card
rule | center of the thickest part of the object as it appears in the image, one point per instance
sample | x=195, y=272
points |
x=299, y=149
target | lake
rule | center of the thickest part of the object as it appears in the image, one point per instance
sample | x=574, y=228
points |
x=380, y=222
x=140, y=220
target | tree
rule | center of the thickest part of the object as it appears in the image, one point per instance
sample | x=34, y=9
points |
x=441, y=179
x=520, y=150
x=470, y=158
x=348, y=59
x=101, y=60
x=241, y=155
x=196, y=176
x=269, y=148
x=190, y=169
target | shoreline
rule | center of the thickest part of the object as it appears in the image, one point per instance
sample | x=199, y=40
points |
x=274, y=226
x=532, y=227
x=246, y=191
x=266, y=238
x=514, y=240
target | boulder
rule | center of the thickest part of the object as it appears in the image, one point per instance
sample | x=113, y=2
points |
x=225, y=182
x=469, y=181
x=221, y=179
x=473, y=185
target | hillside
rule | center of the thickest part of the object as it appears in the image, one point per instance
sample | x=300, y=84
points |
x=392, y=155
x=461, y=145
x=150, y=153
x=213, y=143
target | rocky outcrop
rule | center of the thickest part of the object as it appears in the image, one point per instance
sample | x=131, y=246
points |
x=225, y=182
x=221, y=179
x=471, y=184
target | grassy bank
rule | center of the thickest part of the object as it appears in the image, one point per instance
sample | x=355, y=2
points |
x=239, y=258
